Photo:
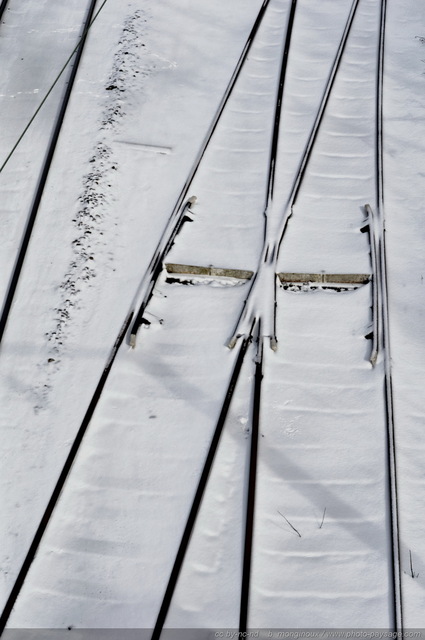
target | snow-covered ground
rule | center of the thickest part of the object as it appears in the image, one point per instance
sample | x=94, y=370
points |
x=151, y=79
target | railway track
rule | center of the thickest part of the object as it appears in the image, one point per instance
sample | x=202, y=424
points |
x=257, y=321
x=176, y=220
x=44, y=172
x=177, y=217
x=270, y=256
x=385, y=331
x=3, y=6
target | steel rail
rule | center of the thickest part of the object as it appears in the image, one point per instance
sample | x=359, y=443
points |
x=252, y=483
x=279, y=102
x=17, y=269
x=199, y=494
x=309, y=148
x=52, y=86
x=168, y=237
x=322, y=107
x=38, y=536
x=146, y=288
x=3, y=6
x=177, y=219
x=271, y=250
x=274, y=143
x=388, y=381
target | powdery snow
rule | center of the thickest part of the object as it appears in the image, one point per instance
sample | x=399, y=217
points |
x=151, y=79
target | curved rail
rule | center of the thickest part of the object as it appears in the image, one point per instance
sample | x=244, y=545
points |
x=133, y=321
x=148, y=283
x=266, y=273
x=3, y=6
